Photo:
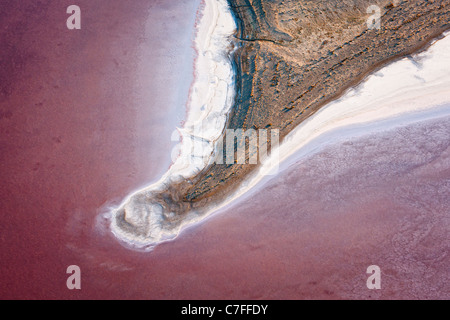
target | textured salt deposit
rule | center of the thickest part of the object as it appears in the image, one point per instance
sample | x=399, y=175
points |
x=211, y=94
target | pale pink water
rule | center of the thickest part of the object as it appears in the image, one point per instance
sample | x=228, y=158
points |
x=82, y=125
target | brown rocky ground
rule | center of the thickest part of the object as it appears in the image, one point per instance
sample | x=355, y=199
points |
x=297, y=55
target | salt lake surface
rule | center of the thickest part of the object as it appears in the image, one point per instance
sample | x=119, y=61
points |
x=82, y=126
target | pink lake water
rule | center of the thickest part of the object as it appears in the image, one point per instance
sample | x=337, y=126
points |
x=86, y=117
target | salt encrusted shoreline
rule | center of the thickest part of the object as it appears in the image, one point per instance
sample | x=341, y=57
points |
x=212, y=93
x=145, y=220
x=210, y=99
x=408, y=91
